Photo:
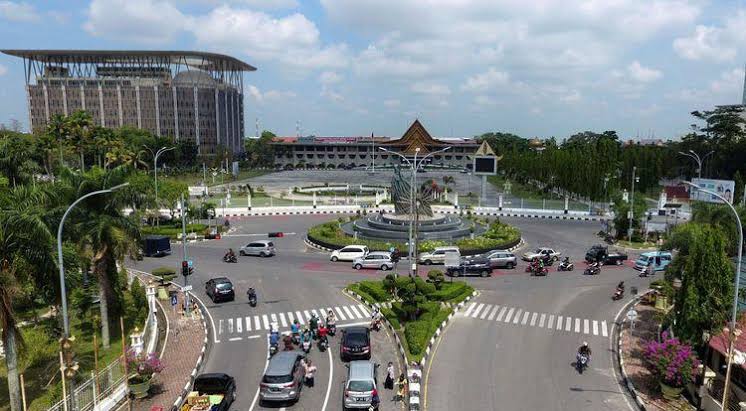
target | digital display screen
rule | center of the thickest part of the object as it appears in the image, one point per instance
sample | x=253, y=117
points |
x=485, y=165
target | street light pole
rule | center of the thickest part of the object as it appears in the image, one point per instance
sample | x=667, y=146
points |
x=155, y=175
x=632, y=205
x=700, y=160
x=734, y=312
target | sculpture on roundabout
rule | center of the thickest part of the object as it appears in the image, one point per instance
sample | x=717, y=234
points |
x=401, y=194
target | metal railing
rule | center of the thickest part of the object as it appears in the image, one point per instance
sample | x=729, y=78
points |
x=715, y=388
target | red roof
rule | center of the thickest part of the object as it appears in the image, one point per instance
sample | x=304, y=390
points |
x=676, y=192
x=719, y=342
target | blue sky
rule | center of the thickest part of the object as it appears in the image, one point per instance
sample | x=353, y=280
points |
x=351, y=67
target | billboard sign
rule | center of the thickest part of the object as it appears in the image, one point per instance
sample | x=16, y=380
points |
x=484, y=165
x=195, y=191
x=724, y=188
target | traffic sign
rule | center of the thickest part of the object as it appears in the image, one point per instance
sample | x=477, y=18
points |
x=191, y=263
x=174, y=300
x=186, y=288
x=632, y=314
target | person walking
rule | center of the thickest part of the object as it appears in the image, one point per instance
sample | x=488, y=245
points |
x=390, y=373
x=310, y=373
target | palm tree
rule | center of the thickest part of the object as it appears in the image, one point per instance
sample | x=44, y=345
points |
x=104, y=231
x=80, y=123
x=58, y=128
x=25, y=241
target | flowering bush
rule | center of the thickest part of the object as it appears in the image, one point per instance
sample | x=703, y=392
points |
x=143, y=365
x=674, y=363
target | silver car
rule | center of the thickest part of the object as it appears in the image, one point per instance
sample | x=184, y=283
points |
x=501, y=258
x=376, y=259
x=262, y=248
x=283, y=379
x=361, y=388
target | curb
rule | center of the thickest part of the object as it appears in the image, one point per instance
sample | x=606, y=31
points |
x=620, y=359
x=197, y=366
x=414, y=370
x=311, y=244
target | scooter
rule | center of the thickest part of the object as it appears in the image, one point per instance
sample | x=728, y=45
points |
x=593, y=269
x=565, y=266
x=375, y=324
x=323, y=344
x=306, y=346
x=618, y=294
x=538, y=270
x=252, y=300
x=332, y=329
x=296, y=338
x=230, y=259
x=581, y=362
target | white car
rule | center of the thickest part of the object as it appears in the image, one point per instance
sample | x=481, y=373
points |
x=542, y=253
x=349, y=253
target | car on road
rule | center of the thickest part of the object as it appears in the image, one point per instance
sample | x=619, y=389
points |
x=600, y=253
x=543, y=253
x=215, y=386
x=355, y=344
x=220, y=289
x=659, y=259
x=361, y=386
x=283, y=379
x=376, y=259
x=157, y=246
x=501, y=258
x=476, y=265
x=438, y=255
x=262, y=248
x=349, y=253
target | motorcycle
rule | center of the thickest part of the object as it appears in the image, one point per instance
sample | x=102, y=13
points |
x=296, y=338
x=375, y=324
x=581, y=362
x=252, y=300
x=332, y=329
x=618, y=294
x=539, y=270
x=323, y=344
x=593, y=269
x=230, y=259
x=563, y=266
x=306, y=346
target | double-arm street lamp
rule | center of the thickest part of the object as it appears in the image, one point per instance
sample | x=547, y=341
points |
x=694, y=156
x=155, y=176
x=732, y=336
x=413, y=217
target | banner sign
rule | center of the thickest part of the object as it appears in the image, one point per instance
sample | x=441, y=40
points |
x=723, y=187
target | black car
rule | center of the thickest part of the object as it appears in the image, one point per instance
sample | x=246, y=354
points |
x=476, y=265
x=217, y=384
x=355, y=344
x=220, y=289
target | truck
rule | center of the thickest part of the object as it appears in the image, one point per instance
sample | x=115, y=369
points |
x=211, y=392
x=601, y=253
x=157, y=246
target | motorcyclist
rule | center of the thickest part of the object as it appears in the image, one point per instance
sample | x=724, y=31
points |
x=229, y=255
x=322, y=333
x=274, y=338
x=375, y=317
x=566, y=260
x=295, y=328
x=330, y=318
x=251, y=293
x=620, y=286
x=314, y=324
x=585, y=350
x=288, y=343
x=305, y=335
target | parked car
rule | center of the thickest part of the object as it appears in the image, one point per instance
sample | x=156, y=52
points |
x=659, y=259
x=438, y=255
x=262, y=248
x=501, y=258
x=355, y=344
x=157, y=246
x=375, y=259
x=361, y=386
x=219, y=385
x=349, y=253
x=602, y=254
x=476, y=265
x=220, y=289
x=543, y=253
x=283, y=379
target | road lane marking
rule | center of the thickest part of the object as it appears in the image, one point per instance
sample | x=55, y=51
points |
x=230, y=325
x=353, y=324
x=235, y=339
x=248, y=324
x=577, y=325
x=550, y=323
x=502, y=313
x=586, y=329
x=604, y=330
x=485, y=312
x=533, y=319
x=340, y=314
x=239, y=325
x=525, y=318
x=274, y=318
x=507, y=317
x=468, y=310
x=251, y=337
x=329, y=383
x=476, y=312
x=559, y=322
x=220, y=326
x=517, y=316
x=291, y=320
x=265, y=321
x=299, y=318
x=568, y=323
x=315, y=313
x=348, y=312
x=364, y=309
x=541, y=320
x=282, y=320
x=595, y=327
x=357, y=313
x=494, y=311
x=257, y=323
x=307, y=314
x=266, y=363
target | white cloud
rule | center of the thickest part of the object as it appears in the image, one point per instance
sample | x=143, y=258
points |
x=572, y=97
x=268, y=4
x=18, y=11
x=331, y=95
x=141, y=21
x=392, y=103
x=483, y=100
x=719, y=43
x=430, y=89
x=485, y=81
x=3, y=70
x=643, y=74
x=271, y=95
x=728, y=82
x=255, y=93
x=329, y=77
x=374, y=61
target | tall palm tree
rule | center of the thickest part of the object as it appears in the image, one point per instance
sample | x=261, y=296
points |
x=59, y=128
x=80, y=124
x=25, y=241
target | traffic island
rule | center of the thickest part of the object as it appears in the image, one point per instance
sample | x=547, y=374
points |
x=637, y=371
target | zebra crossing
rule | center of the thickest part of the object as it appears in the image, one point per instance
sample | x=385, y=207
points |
x=234, y=328
x=518, y=316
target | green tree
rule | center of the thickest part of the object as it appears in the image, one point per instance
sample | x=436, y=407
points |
x=16, y=157
x=187, y=151
x=80, y=124
x=170, y=192
x=259, y=151
x=621, y=210
x=59, y=129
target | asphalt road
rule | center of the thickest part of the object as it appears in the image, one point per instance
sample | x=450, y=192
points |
x=292, y=284
x=514, y=347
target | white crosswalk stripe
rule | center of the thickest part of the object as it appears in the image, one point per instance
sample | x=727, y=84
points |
x=533, y=319
x=502, y=313
x=348, y=312
x=595, y=327
x=290, y=317
x=299, y=318
x=551, y=321
x=604, y=331
x=541, y=320
x=364, y=310
x=559, y=322
x=265, y=321
x=577, y=325
x=525, y=318
x=476, y=312
x=274, y=319
x=282, y=320
x=257, y=323
x=248, y=323
x=568, y=323
x=239, y=325
x=340, y=314
x=307, y=314
x=494, y=311
x=485, y=312
x=468, y=310
x=354, y=310
x=586, y=328
x=510, y=313
x=230, y=325
x=316, y=313
x=517, y=316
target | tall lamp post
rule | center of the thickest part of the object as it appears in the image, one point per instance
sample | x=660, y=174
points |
x=414, y=165
x=734, y=313
x=155, y=176
x=632, y=204
x=694, y=156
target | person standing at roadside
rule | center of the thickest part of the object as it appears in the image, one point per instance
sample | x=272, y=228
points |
x=401, y=384
x=390, y=373
x=310, y=373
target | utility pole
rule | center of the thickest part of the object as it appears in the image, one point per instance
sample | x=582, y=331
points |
x=184, y=251
x=373, y=144
x=632, y=205
x=413, y=218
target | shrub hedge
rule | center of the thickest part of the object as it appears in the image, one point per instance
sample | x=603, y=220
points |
x=375, y=290
x=391, y=317
x=166, y=273
x=173, y=231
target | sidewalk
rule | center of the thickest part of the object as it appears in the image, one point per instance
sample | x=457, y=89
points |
x=183, y=347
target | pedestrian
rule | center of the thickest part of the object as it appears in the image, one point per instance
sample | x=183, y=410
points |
x=310, y=373
x=401, y=384
x=389, y=383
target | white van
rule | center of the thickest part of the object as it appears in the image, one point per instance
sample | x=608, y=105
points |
x=349, y=253
x=438, y=256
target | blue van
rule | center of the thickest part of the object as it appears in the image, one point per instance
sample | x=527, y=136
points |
x=659, y=259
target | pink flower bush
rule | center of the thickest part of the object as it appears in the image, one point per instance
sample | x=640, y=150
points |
x=674, y=362
x=144, y=365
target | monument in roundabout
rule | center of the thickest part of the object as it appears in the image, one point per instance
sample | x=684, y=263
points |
x=411, y=204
